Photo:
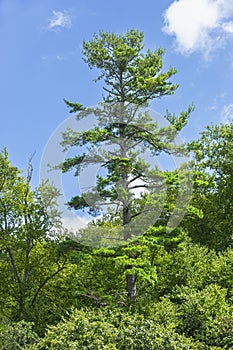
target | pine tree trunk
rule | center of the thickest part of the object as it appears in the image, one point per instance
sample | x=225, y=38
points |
x=130, y=278
x=131, y=283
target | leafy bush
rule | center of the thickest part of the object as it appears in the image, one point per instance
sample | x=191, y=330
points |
x=203, y=313
x=17, y=335
x=112, y=330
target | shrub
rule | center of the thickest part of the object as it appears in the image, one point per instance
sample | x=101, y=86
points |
x=17, y=335
x=112, y=330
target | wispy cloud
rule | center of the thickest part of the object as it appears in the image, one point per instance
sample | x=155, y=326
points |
x=60, y=57
x=218, y=101
x=53, y=57
x=60, y=20
x=200, y=25
x=227, y=114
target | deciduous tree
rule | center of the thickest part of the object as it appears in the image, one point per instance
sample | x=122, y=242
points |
x=27, y=244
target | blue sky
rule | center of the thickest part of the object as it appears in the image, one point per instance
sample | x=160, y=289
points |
x=41, y=62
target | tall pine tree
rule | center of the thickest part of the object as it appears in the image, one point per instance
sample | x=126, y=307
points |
x=124, y=130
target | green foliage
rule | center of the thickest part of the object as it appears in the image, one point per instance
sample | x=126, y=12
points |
x=182, y=120
x=213, y=187
x=112, y=329
x=203, y=313
x=75, y=288
x=133, y=78
x=16, y=336
x=189, y=265
x=121, y=58
x=29, y=229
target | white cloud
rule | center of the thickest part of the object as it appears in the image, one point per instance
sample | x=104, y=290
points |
x=227, y=114
x=200, y=25
x=60, y=20
x=228, y=27
x=225, y=7
x=74, y=223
